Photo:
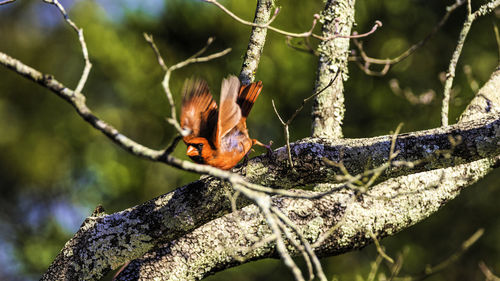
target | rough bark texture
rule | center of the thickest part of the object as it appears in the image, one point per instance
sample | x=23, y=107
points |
x=328, y=109
x=256, y=43
x=234, y=235
x=486, y=101
x=412, y=197
x=102, y=243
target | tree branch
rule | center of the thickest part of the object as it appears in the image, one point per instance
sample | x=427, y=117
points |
x=334, y=223
x=450, y=74
x=171, y=216
x=328, y=109
x=187, y=259
x=413, y=198
x=256, y=41
x=363, y=57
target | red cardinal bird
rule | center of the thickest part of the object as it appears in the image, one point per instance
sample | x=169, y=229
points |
x=218, y=137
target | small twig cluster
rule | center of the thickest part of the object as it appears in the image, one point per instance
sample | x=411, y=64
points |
x=394, y=266
x=365, y=62
x=289, y=35
x=290, y=120
x=168, y=72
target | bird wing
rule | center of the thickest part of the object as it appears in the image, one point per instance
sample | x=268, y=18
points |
x=230, y=112
x=199, y=110
x=247, y=97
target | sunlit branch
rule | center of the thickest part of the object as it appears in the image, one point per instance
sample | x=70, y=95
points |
x=81, y=38
x=305, y=34
x=490, y=276
x=450, y=74
x=6, y=2
x=290, y=120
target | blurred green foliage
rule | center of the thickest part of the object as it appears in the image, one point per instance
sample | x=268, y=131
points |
x=55, y=168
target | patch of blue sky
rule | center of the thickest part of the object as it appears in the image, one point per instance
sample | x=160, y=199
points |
x=117, y=10
x=69, y=216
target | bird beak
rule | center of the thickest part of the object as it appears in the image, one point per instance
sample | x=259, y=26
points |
x=192, y=151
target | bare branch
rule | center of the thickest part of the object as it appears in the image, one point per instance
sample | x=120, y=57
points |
x=168, y=72
x=290, y=120
x=6, y=2
x=424, y=186
x=308, y=249
x=497, y=38
x=256, y=42
x=388, y=62
x=380, y=250
x=313, y=217
x=423, y=98
x=328, y=108
x=305, y=34
x=450, y=74
x=161, y=62
x=431, y=270
x=81, y=38
x=487, y=272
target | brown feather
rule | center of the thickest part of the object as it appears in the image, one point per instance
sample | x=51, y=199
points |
x=247, y=97
x=229, y=112
x=199, y=110
x=219, y=137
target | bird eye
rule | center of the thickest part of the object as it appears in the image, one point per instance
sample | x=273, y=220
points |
x=199, y=146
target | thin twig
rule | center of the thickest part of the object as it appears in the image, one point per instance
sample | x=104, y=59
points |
x=286, y=124
x=396, y=267
x=380, y=250
x=264, y=204
x=306, y=49
x=150, y=40
x=388, y=62
x=487, y=272
x=6, y=2
x=81, y=38
x=375, y=265
x=168, y=72
x=431, y=270
x=305, y=34
x=307, y=246
x=300, y=248
x=497, y=38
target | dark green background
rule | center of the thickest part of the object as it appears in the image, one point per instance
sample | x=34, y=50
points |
x=55, y=168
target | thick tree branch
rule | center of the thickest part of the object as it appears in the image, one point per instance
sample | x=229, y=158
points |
x=176, y=213
x=328, y=109
x=179, y=212
x=256, y=43
x=335, y=223
x=486, y=101
x=351, y=217
x=413, y=198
